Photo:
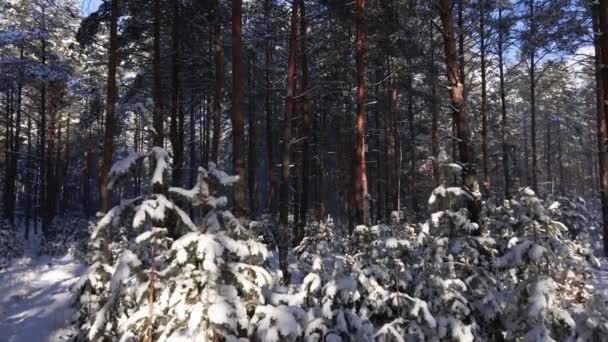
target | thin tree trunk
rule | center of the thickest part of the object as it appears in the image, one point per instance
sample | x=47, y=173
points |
x=306, y=134
x=503, y=107
x=193, y=163
x=484, y=99
x=533, y=96
x=251, y=155
x=361, y=195
x=27, y=179
x=271, y=185
x=602, y=89
x=454, y=76
x=108, y=140
x=219, y=82
x=434, y=113
x=8, y=156
x=412, y=143
x=41, y=186
x=237, y=103
x=290, y=103
x=175, y=136
x=391, y=146
x=157, y=118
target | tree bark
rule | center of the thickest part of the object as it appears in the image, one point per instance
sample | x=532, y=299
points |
x=306, y=134
x=157, y=119
x=271, y=185
x=290, y=103
x=434, y=109
x=391, y=146
x=503, y=106
x=108, y=140
x=42, y=130
x=533, y=96
x=361, y=194
x=237, y=104
x=176, y=114
x=251, y=155
x=219, y=82
x=484, y=99
x=455, y=76
x=27, y=179
x=602, y=89
x=8, y=156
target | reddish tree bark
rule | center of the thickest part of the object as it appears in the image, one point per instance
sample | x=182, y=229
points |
x=271, y=185
x=290, y=103
x=237, y=104
x=455, y=80
x=361, y=194
x=108, y=138
x=305, y=122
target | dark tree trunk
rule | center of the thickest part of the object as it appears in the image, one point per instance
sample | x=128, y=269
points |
x=306, y=134
x=361, y=194
x=193, y=159
x=158, y=116
x=42, y=130
x=391, y=146
x=237, y=104
x=176, y=135
x=8, y=157
x=484, y=99
x=412, y=143
x=290, y=103
x=27, y=179
x=455, y=81
x=271, y=184
x=108, y=140
x=602, y=87
x=532, y=57
x=219, y=82
x=251, y=155
x=503, y=107
x=434, y=109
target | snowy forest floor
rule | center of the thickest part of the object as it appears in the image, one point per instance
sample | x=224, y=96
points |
x=35, y=299
x=36, y=303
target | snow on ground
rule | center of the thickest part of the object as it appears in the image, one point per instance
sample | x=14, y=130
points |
x=35, y=299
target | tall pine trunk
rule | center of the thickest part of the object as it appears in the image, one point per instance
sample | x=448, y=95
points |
x=271, y=184
x=290, y=103
x=306, y=134
x=176, y=135
x=503, y=107
x=455, y=77
x=251, y=155
x=108, y=139
x=237, y=104
x=484, y=98
x=602, y=90
x=219, y=82
x=391, y=146
x=361, y=194
x=532, y=75
x=157, y=118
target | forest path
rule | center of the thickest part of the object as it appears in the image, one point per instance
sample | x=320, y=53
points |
x=35, y=297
